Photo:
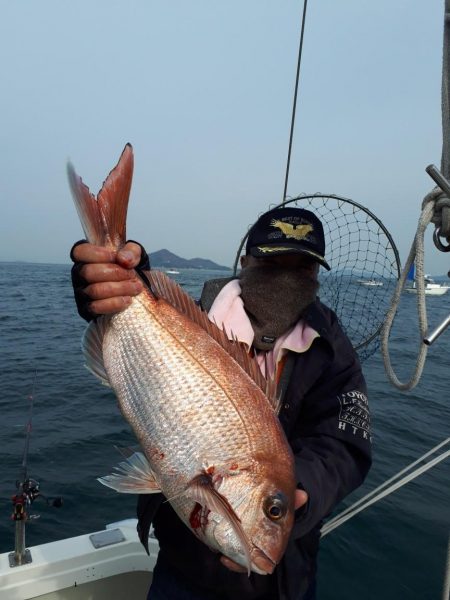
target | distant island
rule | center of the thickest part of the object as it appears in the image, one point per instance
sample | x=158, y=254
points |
x=167, y=260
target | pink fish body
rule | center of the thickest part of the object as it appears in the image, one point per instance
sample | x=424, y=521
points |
x=210, y=436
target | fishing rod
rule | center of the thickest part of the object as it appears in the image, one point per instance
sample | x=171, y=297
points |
x=27, y=490
x=294, y=103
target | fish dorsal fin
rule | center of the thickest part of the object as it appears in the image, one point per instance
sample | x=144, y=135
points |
x=104, y=217
x=165, y=287
x=92, y=348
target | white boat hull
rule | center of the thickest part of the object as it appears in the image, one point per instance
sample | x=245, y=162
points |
x=370, y=283
x=431, y=287
x=75, y=569
x=434, y=291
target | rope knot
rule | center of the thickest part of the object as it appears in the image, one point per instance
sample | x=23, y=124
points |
x=440, y=216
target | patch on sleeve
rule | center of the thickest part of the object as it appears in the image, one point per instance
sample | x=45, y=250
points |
x=354, y=415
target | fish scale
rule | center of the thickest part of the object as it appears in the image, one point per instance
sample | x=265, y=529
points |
x=199, y=404
x=212, y=440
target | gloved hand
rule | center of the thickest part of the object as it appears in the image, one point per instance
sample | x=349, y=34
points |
x=105, y=281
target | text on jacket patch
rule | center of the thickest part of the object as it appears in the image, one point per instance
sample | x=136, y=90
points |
x=354, y=414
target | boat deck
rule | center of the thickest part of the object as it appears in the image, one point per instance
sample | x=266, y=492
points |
x=107, y=565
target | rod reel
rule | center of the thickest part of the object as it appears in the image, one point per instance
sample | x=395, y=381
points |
x=27, y=491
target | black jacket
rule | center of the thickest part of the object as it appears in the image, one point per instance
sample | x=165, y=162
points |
x=325, y=417
x=326, y=420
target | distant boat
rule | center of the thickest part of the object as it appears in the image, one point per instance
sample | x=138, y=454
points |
x=431, y=287
x=172, y=272
x=370, y=282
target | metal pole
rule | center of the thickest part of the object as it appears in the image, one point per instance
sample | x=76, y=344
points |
x=437, y=332
x=446, y=589
x=438, y=178
x=19, y=546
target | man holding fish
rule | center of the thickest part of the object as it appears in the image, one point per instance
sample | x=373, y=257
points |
x=251, y=413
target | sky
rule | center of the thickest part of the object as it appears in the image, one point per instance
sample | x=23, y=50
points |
x=203, y=91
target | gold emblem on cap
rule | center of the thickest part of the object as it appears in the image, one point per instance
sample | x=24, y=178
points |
x=274, y=249
x=269, y=249
x=297, y=232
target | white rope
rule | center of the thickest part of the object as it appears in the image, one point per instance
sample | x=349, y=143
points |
x=416, y=255
x=388, y=481
x=376, y=494
x=328, y=528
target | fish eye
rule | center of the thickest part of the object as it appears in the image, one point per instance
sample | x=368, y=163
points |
x=275, y=506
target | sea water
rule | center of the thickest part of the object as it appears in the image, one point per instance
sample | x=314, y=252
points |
x=396, y=549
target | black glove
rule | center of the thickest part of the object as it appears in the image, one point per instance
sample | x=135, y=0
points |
x=79, y=283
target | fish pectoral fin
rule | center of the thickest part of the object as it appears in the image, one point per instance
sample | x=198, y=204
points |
x=92, y=347
x=202, y=490
x=132, y=476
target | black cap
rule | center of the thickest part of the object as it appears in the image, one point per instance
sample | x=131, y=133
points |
x=287, y=230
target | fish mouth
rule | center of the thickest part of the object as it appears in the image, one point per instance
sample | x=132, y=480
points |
x=261, y=563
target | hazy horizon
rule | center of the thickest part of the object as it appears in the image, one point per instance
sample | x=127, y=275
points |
x=203, y=91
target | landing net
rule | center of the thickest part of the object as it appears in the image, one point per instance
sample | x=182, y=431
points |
x=364, y=263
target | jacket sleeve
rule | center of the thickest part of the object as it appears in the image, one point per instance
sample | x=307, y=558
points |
x=331, y=436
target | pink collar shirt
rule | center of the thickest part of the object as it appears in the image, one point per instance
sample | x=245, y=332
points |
x=228, y=313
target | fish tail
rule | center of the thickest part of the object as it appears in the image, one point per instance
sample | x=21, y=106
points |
x=104, y=217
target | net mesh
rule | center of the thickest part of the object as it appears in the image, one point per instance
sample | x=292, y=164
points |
x=364, y=265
